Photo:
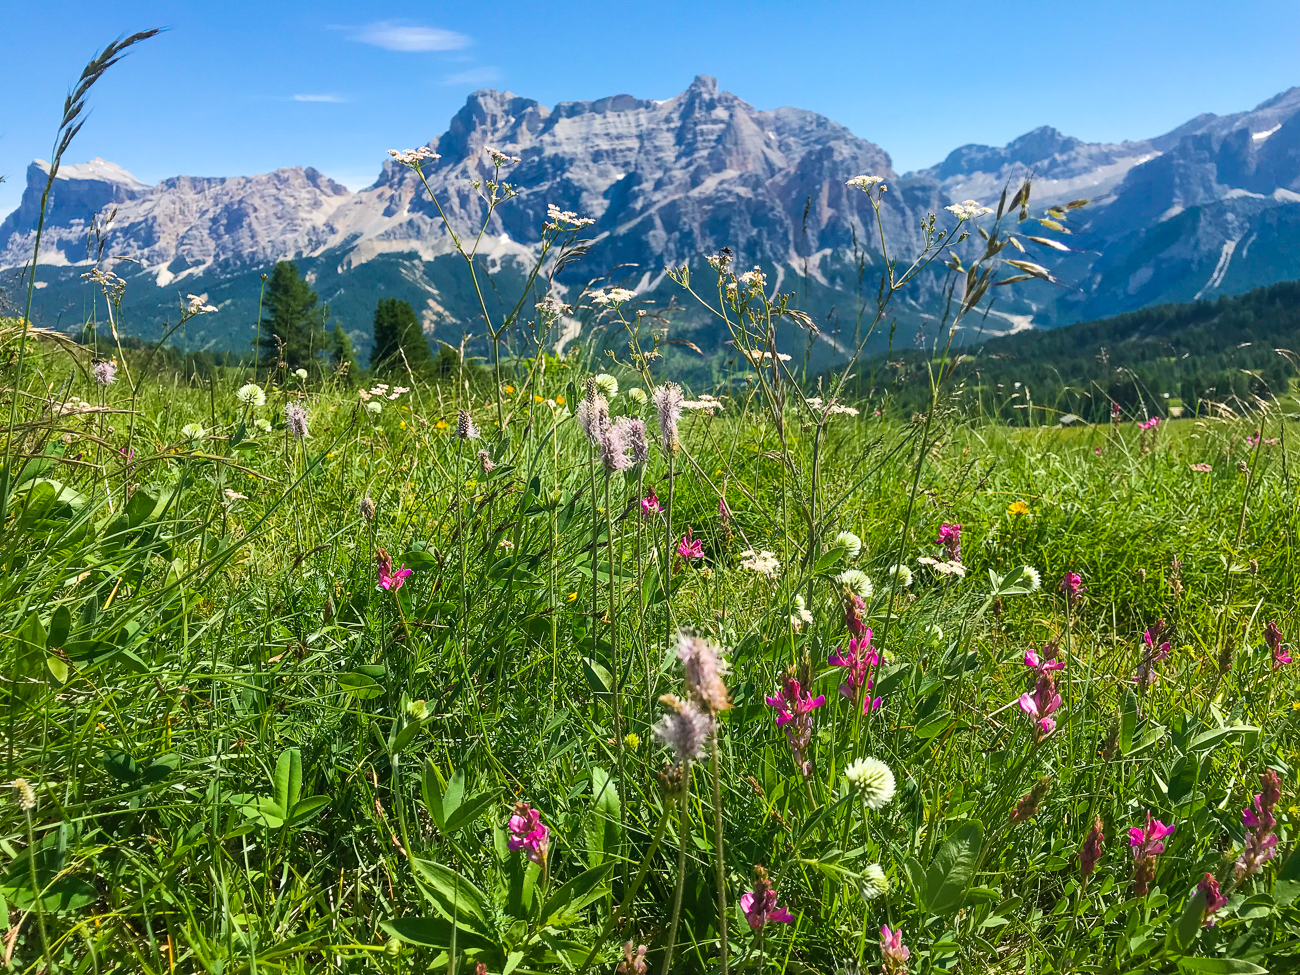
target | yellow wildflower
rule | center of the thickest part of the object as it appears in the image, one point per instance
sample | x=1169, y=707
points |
x=560, y=400
x=572, y=597
x=1017, y=508
x=509, y=388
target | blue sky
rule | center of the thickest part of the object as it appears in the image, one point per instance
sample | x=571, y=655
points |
x=238, y=87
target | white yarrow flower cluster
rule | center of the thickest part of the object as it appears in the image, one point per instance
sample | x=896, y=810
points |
x=500, y=158
x=765, y=563
x=851, y=544
x=865, y=183
x=614, y=296
x=834, y=409
x=857, y=582
x=558, y=219
x=706, y=403
x=199, y=305
x=757, y=357
x=754, y=280
x=552, y=308
x=873, y=780
x=968, y=210
x=251, y=394
x=414, y=157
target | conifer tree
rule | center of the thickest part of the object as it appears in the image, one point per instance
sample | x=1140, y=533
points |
x=397, y=334
x=295, y=330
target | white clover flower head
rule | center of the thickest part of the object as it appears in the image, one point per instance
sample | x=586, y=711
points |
x=900, y=576
x=412, y=158
x=552, y=308
x=301, y=374
x=500, y=158
x=558, y=219
x=374, y=407
x=262, y=424
x=933, y=633
x=251, y=394
x=193, y=431
x=637, y=395
x=968, y=210
x=763, y=562
x=873, y=780
x=874, y=882
x=857, y=582
x=199, y=305
x=607, y=384
x=419, y=710
x=851, y=544
x=865, y=183
x=1030, y=578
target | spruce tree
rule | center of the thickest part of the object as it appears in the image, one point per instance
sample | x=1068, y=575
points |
x=398, y=333
x=296, y=322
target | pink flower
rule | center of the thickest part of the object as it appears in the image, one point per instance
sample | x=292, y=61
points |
x=1073, y=587
x=1150, y=424
x=1152, y=655
x=760, y=904
x=1273, y=637
x=854, y=607
x=690, y=548
x=650, y=505
x=1047, y=662
x=858, y=661
x=1042, y=703
x=1214, y=900
x=1149, y=841
x=950, y=539
x=794, y=716
x=528, y=833
x=1202, y=468
x=892, y=950
x=1261, y=841
x=388, y=579
x=1097, y=451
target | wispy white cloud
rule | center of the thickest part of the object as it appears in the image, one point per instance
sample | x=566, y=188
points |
x=319, y=98
x=474, y=76
x=394, y=35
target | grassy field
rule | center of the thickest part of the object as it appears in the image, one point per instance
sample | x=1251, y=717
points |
x=233, y=750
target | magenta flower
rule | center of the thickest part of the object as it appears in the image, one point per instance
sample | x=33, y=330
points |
x=1041, y=704
x=854, y=607
x=794, y=716
x=1214, y=900
x=892, y=950
x=760, y=904
x=690, y=548
x=388, y=579
x=1073, y=587
x=1150, y=424
x=1149, y=841
x=1261, y=841
x=1152, y=655
x=950, y=539
x=1273, y=637
x=858, y=661
x=529, y=833
x=1047, y=662
x=650, y=505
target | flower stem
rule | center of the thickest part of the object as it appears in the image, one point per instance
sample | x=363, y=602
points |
x=684, y=828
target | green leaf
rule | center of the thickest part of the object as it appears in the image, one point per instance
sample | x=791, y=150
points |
x=1287, y=887
x=917, y=878
x=65, y=894
x=456, y=898
x=58, y=667
x=307, y=809
x=431, y=789
x=469, y=811
x=60, y=626
x=602, y=824
x=577, y=893
x=598, y=678
x=361, y=686
x=954, y=865
x=288, y=778
x=1221, y=966
x=830, y=560
x=1208, y=739
x=451, y=799
x=433, y=932
x=1189, y=924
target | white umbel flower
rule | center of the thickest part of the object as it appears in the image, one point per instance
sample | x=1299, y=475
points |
x=1030, y=579
x=857, y=582
x=251, y=394
x=873, y=780
x=874, y=882
x=607, y=385
x=765, y=563
x=851, y=544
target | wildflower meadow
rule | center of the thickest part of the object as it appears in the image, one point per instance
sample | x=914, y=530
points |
x=535, y=661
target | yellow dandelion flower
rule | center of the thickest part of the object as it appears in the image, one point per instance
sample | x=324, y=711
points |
x=572, y=597
x=402, y=424
x=538, y=399
x=440, y=425
x=1017, y=508
x=559, y=400
x=509, y=388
